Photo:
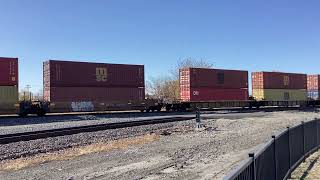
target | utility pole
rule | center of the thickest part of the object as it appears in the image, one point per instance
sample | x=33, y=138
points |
x=198, y=118
x=28, y=87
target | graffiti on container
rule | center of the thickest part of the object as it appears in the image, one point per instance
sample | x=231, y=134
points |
x=101, y=74
x=82, y=106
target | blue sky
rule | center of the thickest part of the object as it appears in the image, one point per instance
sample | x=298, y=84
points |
x=282, y=35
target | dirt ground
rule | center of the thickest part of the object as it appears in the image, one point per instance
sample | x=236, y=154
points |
x=178, y=152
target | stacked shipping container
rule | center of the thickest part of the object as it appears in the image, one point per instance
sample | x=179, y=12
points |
x=74, y=82
x=278, y=86
x=8, y=84
x=200, y=84
x=313, y=86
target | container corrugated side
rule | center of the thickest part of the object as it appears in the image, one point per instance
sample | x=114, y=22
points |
x=8, y=71
x=94, y=94
x=85, y=74
x=313, y=82
x=214, y=78
x=278, y=80
x=46, y=74
x=279, y=94
x=211, y=94
x=9, y=108
x=9, y=94
x=86, y=106
x=313, y=94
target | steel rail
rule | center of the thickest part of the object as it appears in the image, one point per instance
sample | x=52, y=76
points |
x=33, y=135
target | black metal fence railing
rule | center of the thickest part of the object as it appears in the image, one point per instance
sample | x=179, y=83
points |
x=281, y=155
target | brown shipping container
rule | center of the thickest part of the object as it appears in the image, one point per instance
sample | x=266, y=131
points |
x=313, y=82
x=278, y=80
x=209, y=94
x=94, y=94
x=214, y=78
x=85, y=74
x=8, y=71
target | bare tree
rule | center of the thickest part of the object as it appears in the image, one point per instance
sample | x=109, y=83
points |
x=38, y=96
x=25, y=93
x=168, y=88
x=189, y=63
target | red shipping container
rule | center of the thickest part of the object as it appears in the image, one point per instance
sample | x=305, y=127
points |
x=94, y=94
x=85, y=74
x=210, y=94
x=8, y=71
x=214, y=78
x=278, y=80
x=313, y=82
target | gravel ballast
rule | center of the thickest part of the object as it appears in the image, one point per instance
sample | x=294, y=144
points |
x=181, y=152
x=19, y=125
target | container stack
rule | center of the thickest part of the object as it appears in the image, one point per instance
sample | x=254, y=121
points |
x=87, y=84
x=279, y=86
x=8, y=84
x=200, y=84
x=313, y=86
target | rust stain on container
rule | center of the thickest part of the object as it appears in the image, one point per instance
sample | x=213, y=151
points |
x=8, y=71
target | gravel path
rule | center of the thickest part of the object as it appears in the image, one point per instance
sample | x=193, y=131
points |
x=178, y=151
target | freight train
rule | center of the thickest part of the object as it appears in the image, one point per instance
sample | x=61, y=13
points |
x=70, y=86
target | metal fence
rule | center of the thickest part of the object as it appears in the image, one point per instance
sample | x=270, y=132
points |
x=281, y=155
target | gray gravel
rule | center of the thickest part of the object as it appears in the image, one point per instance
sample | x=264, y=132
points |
x=18, y=125
x=181, y=153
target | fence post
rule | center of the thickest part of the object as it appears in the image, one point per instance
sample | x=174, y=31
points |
x=303, y=140
x=251, y=155
x=289, y=147
x=275, y=158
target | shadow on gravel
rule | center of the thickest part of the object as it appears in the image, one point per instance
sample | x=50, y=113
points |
x=311, y=165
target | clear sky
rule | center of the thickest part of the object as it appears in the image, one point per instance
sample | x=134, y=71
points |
x=281, y=35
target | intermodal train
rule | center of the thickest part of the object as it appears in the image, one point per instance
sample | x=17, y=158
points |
x=71, y=86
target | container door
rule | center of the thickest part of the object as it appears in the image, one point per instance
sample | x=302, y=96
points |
x=286, y=96
x=220, y=77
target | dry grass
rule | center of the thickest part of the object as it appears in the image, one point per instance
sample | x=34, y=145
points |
x=72, y=153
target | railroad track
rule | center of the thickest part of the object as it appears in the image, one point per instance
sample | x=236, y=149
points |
x=27, y=136
x=136, y=113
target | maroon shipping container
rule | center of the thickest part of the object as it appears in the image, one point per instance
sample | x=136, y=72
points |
x=313, y=82
x=94, y=94
x=209, y=94
x=278, y=80
x=214, y=78
x=85, y=74
x=8, y=71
